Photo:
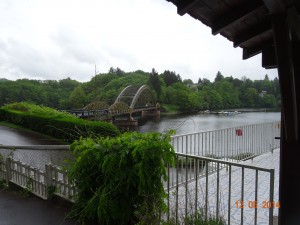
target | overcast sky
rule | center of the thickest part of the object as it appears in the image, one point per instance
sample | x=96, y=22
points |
x=55, y=39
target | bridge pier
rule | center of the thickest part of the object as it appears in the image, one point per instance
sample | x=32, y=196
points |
x=151, y=112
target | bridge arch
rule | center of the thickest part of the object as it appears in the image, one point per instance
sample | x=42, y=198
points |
x=136, y=96
x=144, y=96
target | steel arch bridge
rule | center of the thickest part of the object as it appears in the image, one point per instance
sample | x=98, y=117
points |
x=133, y=99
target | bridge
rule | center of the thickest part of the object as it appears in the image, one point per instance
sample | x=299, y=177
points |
x=132, y=99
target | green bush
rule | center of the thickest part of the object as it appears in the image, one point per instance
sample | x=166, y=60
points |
x=119, y=179
x=57, y=124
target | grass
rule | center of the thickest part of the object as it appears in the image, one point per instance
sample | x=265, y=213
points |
x=168, y=109
x=198, y=218
x=54, y=123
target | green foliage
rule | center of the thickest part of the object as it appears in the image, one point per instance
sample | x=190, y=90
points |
x=223, y=92
x=51, y=191
x=77, y=98
x=57, y=124
x=154, y=82
x=3, y=185
x=119, y=179
x=28, y=188
x=198, y=218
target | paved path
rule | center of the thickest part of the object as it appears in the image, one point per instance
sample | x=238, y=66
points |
x=18, y=210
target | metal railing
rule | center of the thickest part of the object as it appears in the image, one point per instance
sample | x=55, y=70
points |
x=229, y=144
x=233, y=194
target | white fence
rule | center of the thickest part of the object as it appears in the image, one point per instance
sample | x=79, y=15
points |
x=53, y=180
x=230, y=143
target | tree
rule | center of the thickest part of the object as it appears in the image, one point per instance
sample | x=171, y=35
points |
x=251, y=98
x=77, y=98
x=154, y=82
x=219, y=77
x=188, y=82
x=200, y=81
x=170, y=77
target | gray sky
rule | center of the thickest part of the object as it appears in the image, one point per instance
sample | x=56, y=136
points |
x=43, y=39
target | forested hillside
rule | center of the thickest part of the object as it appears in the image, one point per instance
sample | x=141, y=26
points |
x=168, y=87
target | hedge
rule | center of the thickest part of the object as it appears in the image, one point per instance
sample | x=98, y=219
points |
x=65, y=127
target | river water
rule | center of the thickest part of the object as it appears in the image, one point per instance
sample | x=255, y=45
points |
x=184, y=124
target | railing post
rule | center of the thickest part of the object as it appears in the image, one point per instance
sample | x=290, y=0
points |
x=48, y=176
x=8, y=169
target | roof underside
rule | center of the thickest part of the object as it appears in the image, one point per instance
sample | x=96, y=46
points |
x=247, y=23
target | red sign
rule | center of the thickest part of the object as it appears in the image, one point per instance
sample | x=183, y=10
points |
x=239, y=132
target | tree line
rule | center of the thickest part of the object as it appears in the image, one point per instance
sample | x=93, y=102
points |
x=225, y=92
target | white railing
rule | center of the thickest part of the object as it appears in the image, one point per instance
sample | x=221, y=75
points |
x=230, y=144
x=53, y=180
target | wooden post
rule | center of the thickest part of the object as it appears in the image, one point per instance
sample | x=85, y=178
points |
x=48, y=177
x=8, y=169
x=289, y=186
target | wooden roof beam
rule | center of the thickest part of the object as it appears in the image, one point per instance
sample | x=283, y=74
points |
x=254, y=32
x=235, y=15
x=250, y=52
x=274, y=6
x=294, y=20
x=183, y=6
x=269, y=60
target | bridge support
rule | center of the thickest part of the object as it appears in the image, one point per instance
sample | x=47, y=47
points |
x=127, y=122
x=151, y=113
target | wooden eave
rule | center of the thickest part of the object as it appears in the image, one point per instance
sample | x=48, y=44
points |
x=246, y=23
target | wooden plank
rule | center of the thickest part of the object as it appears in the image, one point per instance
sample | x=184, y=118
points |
x=250, y=52
x=286, y=74
x=183, y=6
x=269, y=58
x=296, y=63
x=274, y=6
x=254, y=32
x=235, y=15
x=294, y=20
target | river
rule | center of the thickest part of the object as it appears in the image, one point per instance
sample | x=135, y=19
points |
x=183, y=124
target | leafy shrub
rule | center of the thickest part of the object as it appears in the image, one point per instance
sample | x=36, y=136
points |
x=54, y=123
x=119, y=179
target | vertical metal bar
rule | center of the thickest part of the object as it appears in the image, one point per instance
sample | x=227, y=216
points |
x=229, y=195
x=218, y=181
x=227, y=141
x=198, y=144
x=196, y=190
x=187, y=150
x=212, y=143
x=176, y=207
x=242, y=197
x=186, y=187
x=202, y=134
x=206, y=189
x=168, y=193
x=271, y=196
x=256, y=193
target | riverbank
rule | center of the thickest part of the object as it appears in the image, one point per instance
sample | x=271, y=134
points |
x=169, y=110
